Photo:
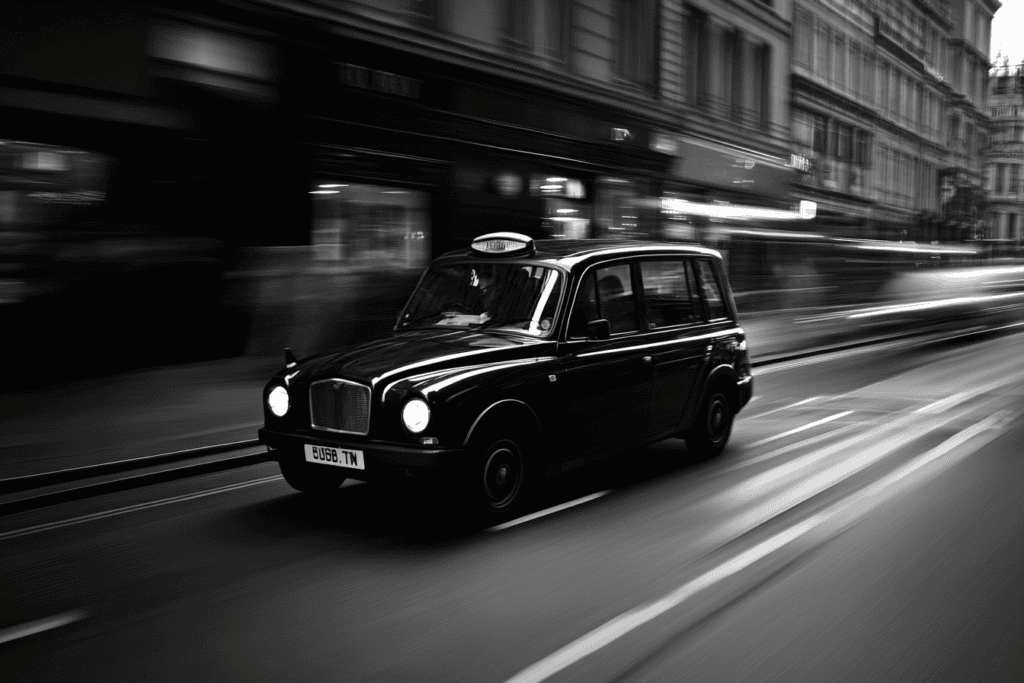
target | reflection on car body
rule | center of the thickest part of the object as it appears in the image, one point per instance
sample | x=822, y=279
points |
x=515, y=359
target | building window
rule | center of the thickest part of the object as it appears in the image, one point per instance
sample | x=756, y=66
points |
x=883, y=87
x=803, y=37
x=698, y=40
x=855, y=66
x=953, y=132
x=1014, y=179
x=760, y=99
x=839, y=61
x=637, y=42
x=1000, y=178
x=821, y=65
x=558, y=30
x=517, y=25
x=730, y=63
x=868, y=88
x=820, y=135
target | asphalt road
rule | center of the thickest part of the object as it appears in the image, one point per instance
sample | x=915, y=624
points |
x=866, y=523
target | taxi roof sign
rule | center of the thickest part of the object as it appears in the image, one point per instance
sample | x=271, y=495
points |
x=503, y=244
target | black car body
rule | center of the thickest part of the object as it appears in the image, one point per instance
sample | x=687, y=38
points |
x=603, y=346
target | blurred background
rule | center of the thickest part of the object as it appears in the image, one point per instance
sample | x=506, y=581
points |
x=189, y=181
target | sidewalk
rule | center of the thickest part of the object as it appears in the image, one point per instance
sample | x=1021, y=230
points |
x=172, y=408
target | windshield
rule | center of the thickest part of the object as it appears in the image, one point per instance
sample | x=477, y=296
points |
x=516, y=297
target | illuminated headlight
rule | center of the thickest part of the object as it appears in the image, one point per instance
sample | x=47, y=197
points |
x=277, y=401
x=416, y=415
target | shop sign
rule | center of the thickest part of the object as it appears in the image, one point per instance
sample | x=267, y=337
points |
x=356, y=76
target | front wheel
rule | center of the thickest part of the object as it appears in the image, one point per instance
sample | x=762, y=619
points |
x=500, y=477
x=712, y=425
x=311, y=478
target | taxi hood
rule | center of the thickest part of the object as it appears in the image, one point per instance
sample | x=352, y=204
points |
x=415, y=352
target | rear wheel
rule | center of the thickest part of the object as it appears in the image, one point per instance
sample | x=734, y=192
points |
x=309, y=478
x=712, y=426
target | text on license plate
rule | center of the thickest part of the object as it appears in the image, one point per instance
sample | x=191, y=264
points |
x=339, y=457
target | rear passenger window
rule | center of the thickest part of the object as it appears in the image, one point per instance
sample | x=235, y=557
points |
x=709, y=288
x=615, y=299
x=605, y=293
x=667, y=295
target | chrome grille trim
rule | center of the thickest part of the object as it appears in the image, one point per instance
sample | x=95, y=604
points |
x=335, y=404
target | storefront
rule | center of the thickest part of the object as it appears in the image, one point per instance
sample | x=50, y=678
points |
x=455, y=154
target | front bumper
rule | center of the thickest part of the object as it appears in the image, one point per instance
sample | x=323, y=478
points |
x=384, y=460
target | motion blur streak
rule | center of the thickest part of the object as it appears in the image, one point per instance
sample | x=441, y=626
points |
x=40, y=625
x=16, y=533
x=842, y=513
x=548, y=511
x=620, y=626
x=803, y=428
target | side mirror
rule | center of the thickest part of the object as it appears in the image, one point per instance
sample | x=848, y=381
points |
x=599, y=329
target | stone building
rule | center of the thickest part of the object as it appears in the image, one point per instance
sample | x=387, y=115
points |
x=887, y=104
x=1005, y=157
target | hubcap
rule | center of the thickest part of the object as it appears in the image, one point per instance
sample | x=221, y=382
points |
x=718, y=419
x=502, y=477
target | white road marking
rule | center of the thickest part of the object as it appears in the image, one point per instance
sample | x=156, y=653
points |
x=623, y=624
x=40, y=625
x=548, y=511
x=803, y=428
x=810, y=441
x=786, y=407
x=619, y=626
x=59, y=524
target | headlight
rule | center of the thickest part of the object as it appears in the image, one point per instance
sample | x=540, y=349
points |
x=416, y=415
x=277, y=400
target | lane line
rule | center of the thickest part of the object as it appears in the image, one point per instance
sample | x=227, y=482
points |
x=786, y=407
x=548, y=511
x=40, y=625
x=803, y=428
x=614, y=629
x=17, y=533
x=623, y=624
x=810, y=441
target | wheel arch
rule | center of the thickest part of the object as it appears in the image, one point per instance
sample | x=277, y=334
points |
x=510, y=407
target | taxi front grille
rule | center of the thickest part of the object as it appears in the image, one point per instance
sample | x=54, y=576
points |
x=337, y=405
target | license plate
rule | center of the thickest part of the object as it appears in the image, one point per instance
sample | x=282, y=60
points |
x=339, y=457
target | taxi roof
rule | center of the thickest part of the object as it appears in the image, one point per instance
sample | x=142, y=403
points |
x=568, y=253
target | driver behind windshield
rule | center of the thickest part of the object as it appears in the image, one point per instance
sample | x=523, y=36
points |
x=477, y=295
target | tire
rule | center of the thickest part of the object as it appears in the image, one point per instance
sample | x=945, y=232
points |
x=712, y=425
x=316, y=480
x=500, y=476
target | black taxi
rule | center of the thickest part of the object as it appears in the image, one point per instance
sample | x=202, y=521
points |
x=516, y=359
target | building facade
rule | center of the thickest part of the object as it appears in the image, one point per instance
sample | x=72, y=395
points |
x=962, y=177
x=1005, y=158
x=887, y=108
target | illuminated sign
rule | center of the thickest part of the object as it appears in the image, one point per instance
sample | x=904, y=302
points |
x=800, y=163
x=671, y=205
x=557, y=186
x=502, y=244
